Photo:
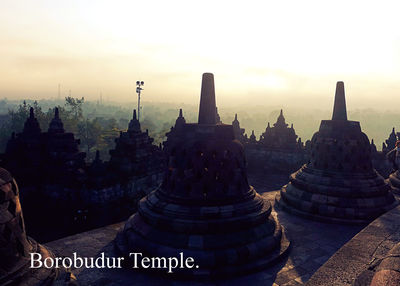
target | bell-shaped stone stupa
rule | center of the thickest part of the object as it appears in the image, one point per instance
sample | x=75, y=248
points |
x=205, y=207
x=339, y=184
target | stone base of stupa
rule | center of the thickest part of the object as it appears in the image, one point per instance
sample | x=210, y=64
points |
x=355, y=198
x=224, y=240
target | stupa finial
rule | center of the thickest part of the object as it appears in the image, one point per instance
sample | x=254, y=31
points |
x=207, y=114
x=339, y=109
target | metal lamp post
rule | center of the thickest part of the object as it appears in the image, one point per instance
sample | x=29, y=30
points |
x=139, y=88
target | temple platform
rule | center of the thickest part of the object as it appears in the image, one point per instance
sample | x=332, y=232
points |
x=313, y=243
x=362, y=257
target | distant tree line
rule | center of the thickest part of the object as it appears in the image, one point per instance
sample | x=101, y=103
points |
x=97, y=124
x=95, y=134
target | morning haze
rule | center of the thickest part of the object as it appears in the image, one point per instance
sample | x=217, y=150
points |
x=265, y=56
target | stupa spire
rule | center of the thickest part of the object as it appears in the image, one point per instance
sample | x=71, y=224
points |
x=31, y=125
x=134, y=124
x=207, y=114
x=339, y=109
x=180, y=112
x=280, y=120
x=56, y=125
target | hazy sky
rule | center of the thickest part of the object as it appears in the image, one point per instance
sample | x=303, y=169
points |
x=261, y=52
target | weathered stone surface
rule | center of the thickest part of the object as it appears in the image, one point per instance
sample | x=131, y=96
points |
x=366, y=254
x=386, y=278
x=339, y=184
x=388, y=270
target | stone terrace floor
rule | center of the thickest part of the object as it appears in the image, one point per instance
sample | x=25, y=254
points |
x=313, y=243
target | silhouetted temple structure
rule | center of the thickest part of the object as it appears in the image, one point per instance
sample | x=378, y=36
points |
x=55, y=177
x=62, y=159
x=373, y=147
x=179, y=123
x=239, y=132
x=23, y=151
x=134, y=153
x=205, y=206
x=339, y=183
x=391, y=141
x=278, y=149
x=217, y=117
x=280, y=136
x=252, y=138
x=53, y=156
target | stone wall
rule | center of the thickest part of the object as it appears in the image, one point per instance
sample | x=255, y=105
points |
x=137, y=186
x=260, y=158
x=86, y=197
x=355, y=263
x=77, y=210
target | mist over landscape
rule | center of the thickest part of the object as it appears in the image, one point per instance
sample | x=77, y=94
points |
x=159, y=117
x=265, y=56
